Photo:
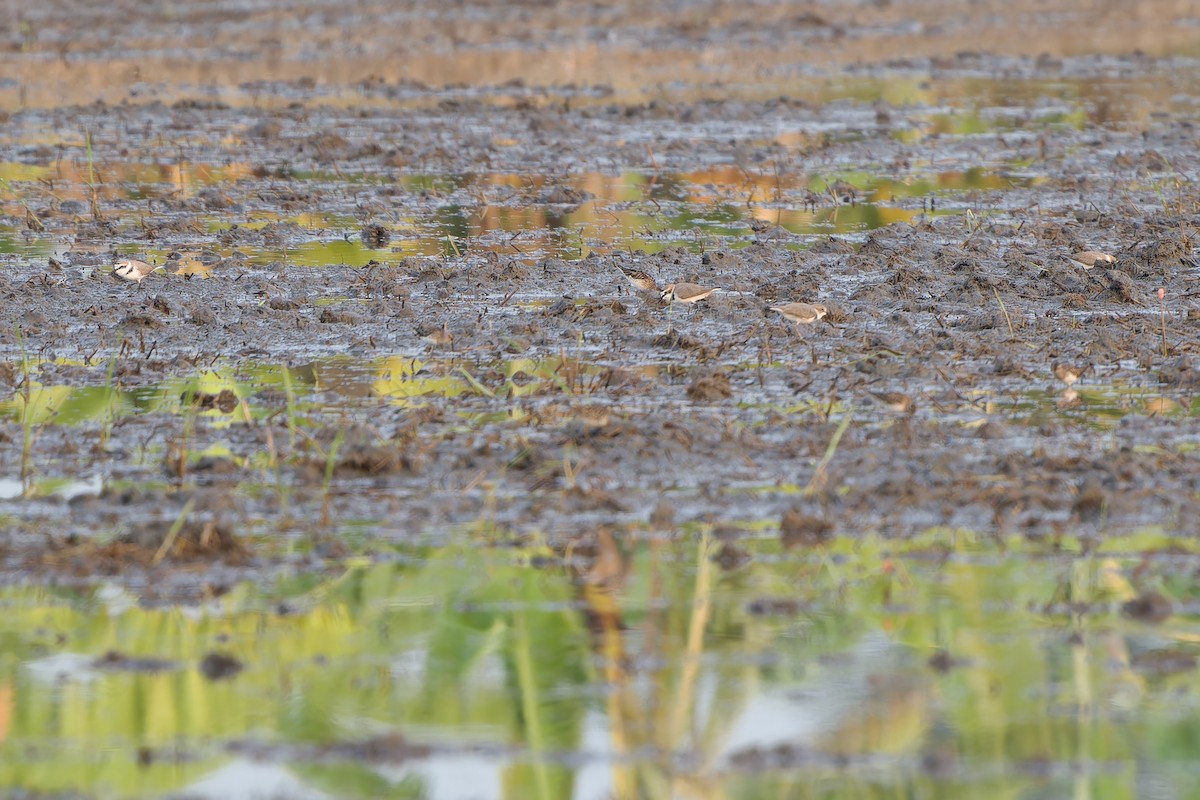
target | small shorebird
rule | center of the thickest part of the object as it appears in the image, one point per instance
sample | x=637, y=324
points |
x=801, y=313
x=592, y=417
x=440, y=337
x=897, y=401
x=642, y=281
x=1090, y=258
x=686, y=292
x=133, y=270
x=1068, y=373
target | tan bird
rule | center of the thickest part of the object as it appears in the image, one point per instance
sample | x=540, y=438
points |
x=1090, y=258
x=133, y=270
x=639, y=280
x=440, y=337
x=897, y=401
x=1068, y=373
x=686, y=292
x=801, y=313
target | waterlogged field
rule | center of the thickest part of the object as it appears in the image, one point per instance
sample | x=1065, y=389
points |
x=390, y=484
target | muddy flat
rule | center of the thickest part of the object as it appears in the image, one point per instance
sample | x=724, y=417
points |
x=414, y=472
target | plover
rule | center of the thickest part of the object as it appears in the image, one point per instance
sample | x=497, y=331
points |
x=642, y=281
x=1090, y=258
x=440, y=337
x=133, y=270
x=897, y=401
x=1068, y=373
x=686, y=292
x=802, y=313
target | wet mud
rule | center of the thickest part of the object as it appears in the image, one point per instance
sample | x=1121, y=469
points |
x=394, y=314
x=469, y=378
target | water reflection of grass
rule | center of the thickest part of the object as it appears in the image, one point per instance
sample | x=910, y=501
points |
x=399, y=379
x=669, y=661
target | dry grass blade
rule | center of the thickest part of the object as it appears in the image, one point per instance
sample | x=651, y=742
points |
x=173, y=533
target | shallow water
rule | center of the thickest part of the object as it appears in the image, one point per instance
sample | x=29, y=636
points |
x=942, y=666
x=633, y=212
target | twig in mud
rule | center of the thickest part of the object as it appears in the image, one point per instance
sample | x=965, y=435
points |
x=471, y=484
x=33, y=222
x=330, y=464
x=169, y=539
x=818, y=477
x=110, y=387
x=653, y=160
x=27, y=430
x=92, y=177
x=1005, y=312
x=476, y=385
x=1162, y=307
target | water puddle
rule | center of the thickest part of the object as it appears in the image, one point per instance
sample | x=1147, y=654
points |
x=227, y=395
x=230, y=395
x=64, y=488
x=526, y=218
x=1096, y=406
x=641, y=669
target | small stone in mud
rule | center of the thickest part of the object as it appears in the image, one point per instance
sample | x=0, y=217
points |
x=942, y=662
x=1090, y=503
x=212, y=465
x=730, y=557
x=798, y=529
x=118, y=661
x=991, y=430
x=774, y=607
x=391, y=747
x=1148, y=607
x=225, y=401
x=214, y=199
x=1180, y=372
x=1163, y=662
x=939, y=761
x=832, y=245
x=330, y=316
x=202, y=316
x=564, y=196
x=193, y=541
x=219, y=666
x=663, y=516
x=373, y=459
x=140, y=321
x=676, y=340
x=713, y=386
x=591, y=417
x=376, y=236
x=728, y=533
